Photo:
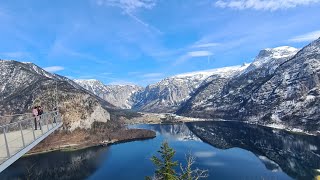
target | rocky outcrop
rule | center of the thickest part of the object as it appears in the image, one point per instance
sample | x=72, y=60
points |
x=24, y=85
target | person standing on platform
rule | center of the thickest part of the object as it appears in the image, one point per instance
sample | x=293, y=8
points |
x=35, y=115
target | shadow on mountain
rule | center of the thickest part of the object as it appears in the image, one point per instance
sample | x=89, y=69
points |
x=297, y=155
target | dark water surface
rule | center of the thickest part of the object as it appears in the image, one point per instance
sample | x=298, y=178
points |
x=229, y=150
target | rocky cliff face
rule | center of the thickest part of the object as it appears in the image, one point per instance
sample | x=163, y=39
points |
x=281, y=87
x=121, y=96
x=24, y=85
x=168, y=94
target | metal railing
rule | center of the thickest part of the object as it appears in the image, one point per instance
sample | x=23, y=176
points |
x=17, y=135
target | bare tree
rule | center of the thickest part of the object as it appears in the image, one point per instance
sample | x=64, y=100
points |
x=165, y=166
x=187, y=173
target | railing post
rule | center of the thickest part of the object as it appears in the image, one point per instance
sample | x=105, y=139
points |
x=52, y=123
x=47, y=120
x=59, y=117
x=33, y=127
x=5, y=140
x=40, y=124
x=22, y=135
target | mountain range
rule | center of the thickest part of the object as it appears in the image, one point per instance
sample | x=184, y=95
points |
x=283, y=91
x=119, y=95
x=162, y=97
x=280, y=88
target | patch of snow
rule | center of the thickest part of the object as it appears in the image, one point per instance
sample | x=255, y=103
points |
x=313, y=147
x=270, y=56
x=268, y=161
x=276, y=126
x=310, y=97
x=225, y=72
x=297, y=130
x=275, y=118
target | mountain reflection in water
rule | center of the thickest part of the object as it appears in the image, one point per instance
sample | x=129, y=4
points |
x=296, y=154
x=57, y=165
x=229, y=150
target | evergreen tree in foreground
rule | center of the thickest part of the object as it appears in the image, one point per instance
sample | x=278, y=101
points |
x=165, y=166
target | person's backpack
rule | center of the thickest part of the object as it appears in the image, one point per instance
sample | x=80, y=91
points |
x=40, y=111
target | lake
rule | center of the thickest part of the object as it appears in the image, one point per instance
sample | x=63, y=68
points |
x=228, y=150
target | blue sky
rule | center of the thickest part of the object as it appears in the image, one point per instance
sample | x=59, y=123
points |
x=143, y=41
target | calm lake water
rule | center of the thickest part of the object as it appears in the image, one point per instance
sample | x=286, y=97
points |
x=229, y=150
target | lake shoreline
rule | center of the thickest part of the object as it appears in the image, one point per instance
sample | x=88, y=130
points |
x=138, y=134
x=160, y=118
x=273, y=126
x=237, y=145
x=77, y=147
x=297, y=131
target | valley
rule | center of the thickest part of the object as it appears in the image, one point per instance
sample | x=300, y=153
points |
x=269, y=92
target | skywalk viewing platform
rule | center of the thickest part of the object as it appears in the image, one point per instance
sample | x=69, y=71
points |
x=17, y=138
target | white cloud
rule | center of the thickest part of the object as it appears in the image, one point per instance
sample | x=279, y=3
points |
x=204, y=154
x=129, y=5
x=199, y=53
x=54, y=68
x=206, y=45
x=306, y=37
x=271, y=5
x=192, y=54
x=140, y=21
x=151, y=75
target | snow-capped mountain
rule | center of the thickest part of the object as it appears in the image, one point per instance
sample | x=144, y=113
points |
x=272, y=57
x=280, y=87
x=211, y=89
x=24, y=85
x=168, y=94
x=119, y=95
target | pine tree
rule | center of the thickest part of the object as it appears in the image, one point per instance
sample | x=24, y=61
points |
x=165, y=164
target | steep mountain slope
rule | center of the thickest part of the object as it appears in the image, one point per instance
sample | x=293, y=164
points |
x=269, y=59
x=168, y=94
x=24, y=85
x=283, y=91
x=119, y=95
x=216, y=89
